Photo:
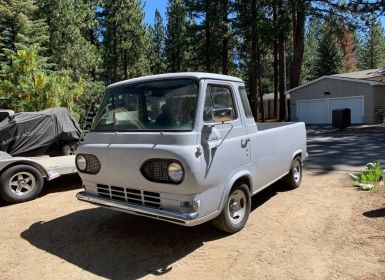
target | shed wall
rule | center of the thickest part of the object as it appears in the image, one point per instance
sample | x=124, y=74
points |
x=379, y=99
x=336, y=88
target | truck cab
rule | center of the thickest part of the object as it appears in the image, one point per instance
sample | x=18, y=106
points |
x=185, y=148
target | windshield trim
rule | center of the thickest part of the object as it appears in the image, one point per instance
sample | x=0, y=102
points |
x=107, y=95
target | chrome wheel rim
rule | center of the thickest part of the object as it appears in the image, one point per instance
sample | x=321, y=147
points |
x=22, y=183
x=237, y=206
x=297, y=171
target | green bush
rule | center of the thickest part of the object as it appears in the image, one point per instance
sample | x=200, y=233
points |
x=369, y=178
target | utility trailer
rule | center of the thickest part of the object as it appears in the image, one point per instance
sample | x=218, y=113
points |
x=22, y=178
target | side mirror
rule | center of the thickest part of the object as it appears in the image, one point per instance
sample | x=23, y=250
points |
x=222, y=115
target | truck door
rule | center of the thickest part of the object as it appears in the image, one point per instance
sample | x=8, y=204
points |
x=224, y=145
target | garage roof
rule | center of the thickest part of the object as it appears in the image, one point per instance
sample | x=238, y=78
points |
x=370, y=82
x=370, y=74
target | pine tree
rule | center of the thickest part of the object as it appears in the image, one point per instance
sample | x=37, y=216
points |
x=126, y=44
x=26, y=87
x=176, y=36
x=329, y=59
x=372, y=50
x=21, y=30
x=310, y=56
x=157, y=34
x=70, y=45
x=347, y=39
x=214, y=34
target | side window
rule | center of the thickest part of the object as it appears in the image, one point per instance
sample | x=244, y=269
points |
x=245, y=102
x=217, y=97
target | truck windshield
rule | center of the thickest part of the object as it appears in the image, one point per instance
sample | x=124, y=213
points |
x=158, y=105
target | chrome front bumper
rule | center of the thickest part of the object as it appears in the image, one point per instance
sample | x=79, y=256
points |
x=187, y=219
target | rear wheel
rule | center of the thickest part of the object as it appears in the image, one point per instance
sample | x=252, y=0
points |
x=20, y=183
x=236, y=210
x=294, y=178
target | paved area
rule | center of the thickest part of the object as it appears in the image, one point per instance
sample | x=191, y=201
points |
x=344, y=151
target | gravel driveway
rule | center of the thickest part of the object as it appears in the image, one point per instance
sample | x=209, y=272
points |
x=323, y=230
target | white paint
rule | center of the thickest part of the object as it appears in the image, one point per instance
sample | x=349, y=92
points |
x=319, y=111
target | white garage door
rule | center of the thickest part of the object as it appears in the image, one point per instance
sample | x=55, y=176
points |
x=319, y=111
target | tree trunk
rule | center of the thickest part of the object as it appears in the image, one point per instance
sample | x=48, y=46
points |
x=298, y=20
x=114, y=63
x=275, y=61
x=125, y=65
x=253, y=68
x=207, y=37
x=259, y=79
x=225, y=39
x=281, y=65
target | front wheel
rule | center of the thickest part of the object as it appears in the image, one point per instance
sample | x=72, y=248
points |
x=236, y=210
x=294, y=178
x=20, y=183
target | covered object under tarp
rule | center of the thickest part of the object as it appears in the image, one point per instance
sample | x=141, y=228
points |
x=35, y=133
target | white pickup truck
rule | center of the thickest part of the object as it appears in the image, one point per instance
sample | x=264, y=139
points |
x=185, y=148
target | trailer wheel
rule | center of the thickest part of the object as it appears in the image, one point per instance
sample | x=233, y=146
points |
x=20, y=183
x=236, y=210
x=294, y=178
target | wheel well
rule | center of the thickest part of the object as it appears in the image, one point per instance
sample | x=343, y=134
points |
x=243, y=180
x=38, y=167
x=298, y=155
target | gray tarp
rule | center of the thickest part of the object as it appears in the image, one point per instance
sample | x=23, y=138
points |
x=34, y=133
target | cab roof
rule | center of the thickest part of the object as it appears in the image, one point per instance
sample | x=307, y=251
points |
x=194, y=75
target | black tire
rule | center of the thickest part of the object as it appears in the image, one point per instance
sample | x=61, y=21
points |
x=294, y=178
x=225, y=221
x=20, y=183
x=66, y=150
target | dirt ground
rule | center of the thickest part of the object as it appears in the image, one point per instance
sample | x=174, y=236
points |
x=323, y=230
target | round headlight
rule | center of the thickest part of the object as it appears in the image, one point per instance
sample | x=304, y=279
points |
x=81, y=162
x=175, y=172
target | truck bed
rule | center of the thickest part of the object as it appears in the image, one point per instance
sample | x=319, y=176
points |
x=270, y=125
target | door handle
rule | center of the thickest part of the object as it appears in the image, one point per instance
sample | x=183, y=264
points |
x=244, y=142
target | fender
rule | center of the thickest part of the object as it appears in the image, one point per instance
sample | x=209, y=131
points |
x=13, y=161
x=297, y=152
x=234, y=176
x=303, y=155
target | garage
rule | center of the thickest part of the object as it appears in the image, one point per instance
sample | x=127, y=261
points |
x=319, y=111
x=314, y=101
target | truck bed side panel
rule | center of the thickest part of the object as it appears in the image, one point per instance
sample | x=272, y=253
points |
x=272, y=151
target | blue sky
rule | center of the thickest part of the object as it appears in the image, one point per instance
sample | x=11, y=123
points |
x=152, y=5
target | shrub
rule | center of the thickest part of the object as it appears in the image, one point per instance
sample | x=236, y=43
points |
x=369, y=178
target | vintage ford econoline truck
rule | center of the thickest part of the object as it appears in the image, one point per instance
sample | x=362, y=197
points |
x=185, y=148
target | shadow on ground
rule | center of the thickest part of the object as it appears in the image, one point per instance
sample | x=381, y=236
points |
x=120, y=246
x=334, y=150
x=61, y=184
x=377, y=213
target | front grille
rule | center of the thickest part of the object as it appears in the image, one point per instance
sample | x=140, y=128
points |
x=133, y=196
x=93, y=165
x=155, y=170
